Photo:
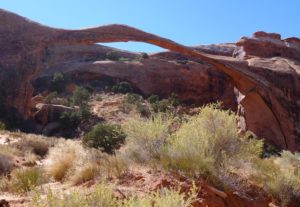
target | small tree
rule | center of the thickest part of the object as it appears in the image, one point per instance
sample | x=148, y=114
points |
x=80, y=96
x=112, y=55
x=58, y=82
x=105, y=137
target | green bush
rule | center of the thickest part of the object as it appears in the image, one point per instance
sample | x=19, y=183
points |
x=112, y=55
x=106, y=137
x=50, y=97
x=133, y=98
x=173, y=100
x=143, y=110
x=153, y=99
x=2, y=126
x=71, y=119
x=145, y=55
x=25, y=179
x=58, y=82
x=122, y=87
x=161, y=106
x=80, y=96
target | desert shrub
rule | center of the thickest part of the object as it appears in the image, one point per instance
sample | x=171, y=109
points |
x=2, y=125
x=85, y=173
x=112, y=55
x=208, y=143
x=70, y=120
x=25, y=179
x=133, y=98
x=105, y=137
x=270, y=150
x=6, y=164
x=79, y=164
x=143, y=110
x=145, y=55
x=61, y=158
x=58, y=82
x=122, y=87
x=145, y=138
x=80, y=96
x=10, y=150
x=50, y=97
x=98, y=98
x=153, y=99
x=174, y=100
x=104, y=83
x=35, y=144
x=280, y=176
x=160, y=106
x=102, y=195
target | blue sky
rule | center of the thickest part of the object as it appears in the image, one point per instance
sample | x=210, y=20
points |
x=190, y=22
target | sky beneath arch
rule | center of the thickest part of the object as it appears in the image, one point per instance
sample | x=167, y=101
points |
x=189, y=22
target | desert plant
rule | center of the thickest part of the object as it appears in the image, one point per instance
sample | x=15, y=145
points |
x=208, y=143
x=153, y=99
x=145, y=138
x=58, y=82
x=112, y=55
x=35, y=144
x=57, y=165
x=105, y=137
x=145, y=55
x=25, y=179
x=174, y=100
x=80, y=96
x=2, y=125
x=122, y=87
x=103, y=196
x=280, y=176
x=133, y=98
x=143, y=110
x=50, y=97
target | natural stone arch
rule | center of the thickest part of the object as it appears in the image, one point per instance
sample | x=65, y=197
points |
x=25, y=43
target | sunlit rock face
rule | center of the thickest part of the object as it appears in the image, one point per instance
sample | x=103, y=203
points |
x=264, y=70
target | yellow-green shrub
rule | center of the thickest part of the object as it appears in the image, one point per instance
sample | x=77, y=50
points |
x=145, y=138
x=103, y=196
x=25, y=179
x=209, y=142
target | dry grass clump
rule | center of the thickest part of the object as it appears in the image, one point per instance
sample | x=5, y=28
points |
x=103, y=196
x=22, y=180
x=145, y=138
x=70, y=161
x=280, y=176
x=36, y=144
x=61, y=158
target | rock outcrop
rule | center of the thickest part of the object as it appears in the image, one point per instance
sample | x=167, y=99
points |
x=268, y=89
x=194, y=82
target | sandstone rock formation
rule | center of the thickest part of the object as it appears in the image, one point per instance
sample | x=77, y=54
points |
x=268, y=87
x=193, y=82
